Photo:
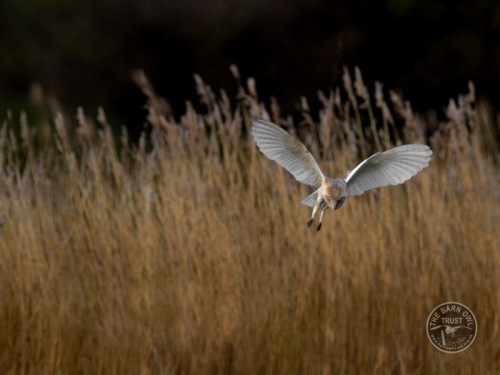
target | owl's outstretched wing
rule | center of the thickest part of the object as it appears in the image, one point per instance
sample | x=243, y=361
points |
x=391, y=167
x=287, y=151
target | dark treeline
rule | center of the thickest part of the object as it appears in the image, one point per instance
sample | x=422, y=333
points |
x=84, y=52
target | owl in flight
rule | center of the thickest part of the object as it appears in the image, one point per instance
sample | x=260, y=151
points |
x=392, y=167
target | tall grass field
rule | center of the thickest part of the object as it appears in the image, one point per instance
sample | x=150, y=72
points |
x=187, y=252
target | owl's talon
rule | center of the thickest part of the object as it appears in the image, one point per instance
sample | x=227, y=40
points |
x=310, y=223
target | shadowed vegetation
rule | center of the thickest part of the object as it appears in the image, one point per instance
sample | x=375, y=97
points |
x=188, y=253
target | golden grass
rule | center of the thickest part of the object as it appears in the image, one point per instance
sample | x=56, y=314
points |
x=188, y=253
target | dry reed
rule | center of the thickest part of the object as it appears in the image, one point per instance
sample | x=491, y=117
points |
x=187, y=252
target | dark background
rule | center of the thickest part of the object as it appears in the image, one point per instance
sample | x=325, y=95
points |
x=84, y=51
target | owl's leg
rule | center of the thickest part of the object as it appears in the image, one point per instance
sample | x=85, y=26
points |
x=310, y=222
x=321, y=219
